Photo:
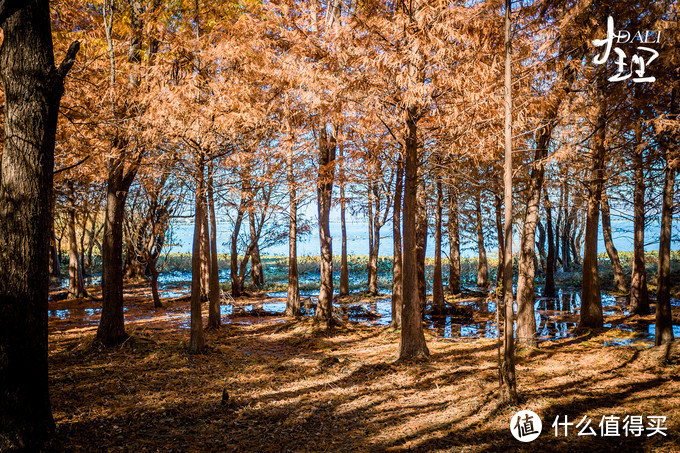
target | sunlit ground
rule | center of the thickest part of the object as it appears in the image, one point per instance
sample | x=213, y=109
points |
x=291, y=387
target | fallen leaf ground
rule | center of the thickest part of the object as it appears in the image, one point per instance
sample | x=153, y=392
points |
x=279, y=384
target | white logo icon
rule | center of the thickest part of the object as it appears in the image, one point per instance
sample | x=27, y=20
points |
x=526, y=426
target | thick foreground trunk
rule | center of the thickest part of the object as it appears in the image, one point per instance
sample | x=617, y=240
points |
x=214, y=316
x=197, y=339
x=412, y=341
x=397, y=268
x=33, y=89
x=293, y=299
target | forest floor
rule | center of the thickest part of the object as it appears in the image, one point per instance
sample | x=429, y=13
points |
x=277, y=384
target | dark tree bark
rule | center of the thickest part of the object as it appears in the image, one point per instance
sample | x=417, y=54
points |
x=591, y=301
x=293, y=300
x=236, y=289
x=373, y=237
x=526, y=319
x=437, y=280
x=549, y=289
x=664, y=315
x=344, y=268
x=639, y=293
x=482, y=265
x=412, y=341
x=421, y=241
x=454, y=243
x=197, y=338
x=256, y=271
x=33, y=88
x=214, y=315
x=619, y=279
x=397, y=268
x=327, y=145
x=499, y=238
x=76, y=286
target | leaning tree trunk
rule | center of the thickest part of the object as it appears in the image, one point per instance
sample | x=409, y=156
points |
x=412, y=341
x=214, y=315
x=591, y=301
x=437, y=280
x=197, y=338
x=482, y=266
x=293, y=299
x=324, y=308
x=639, y=293
x=397, y=268
x=619, y=279
x=526, y=318
x=33, y=88
x=454, y=243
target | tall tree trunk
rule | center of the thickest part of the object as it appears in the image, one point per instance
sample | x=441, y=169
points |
x=397, y=268
x=526, y=319
x=33, y=88
x=591, y=301
x=111, y=330
x=293, y=299
x=205, y=251
x=619, y=279
x=412, y=341
x=214, y=315
x=454, y=243
x=421, y=242
x=639, y=293
x=540, y=243
x=501, y=246
x=437, y=279
x=344, y=268
x=327, y=145
x=549, y=289
x=664, y=315
x=482, y=266
x=508, y=393
x=236, y=289
x=566, y=229
x=372, y=265
x=76, y=287
x=197, y=338
x=256, y=272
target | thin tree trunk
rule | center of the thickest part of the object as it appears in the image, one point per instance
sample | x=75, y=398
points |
x=236, y=289
x=508, y=393
x=664, y=315
x=412, y=341
x=619, y=279
x=344, y=268
x=397, y=268
x=205, y=251
x=214, y=315
x=501, y=246
x=437, y=280
x=549, y=290
x=421, y=243
x=454, y=243
x=154, y=284
x=76, y=287
x=372, y=265
x=639, y=293
x=482, y=266
x=293, y=300
x=33, y=88
x=591, y=301
x=324, y=308
x=197, y=338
